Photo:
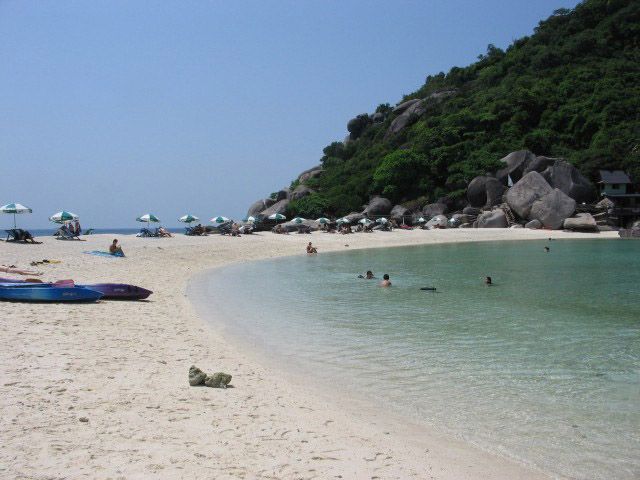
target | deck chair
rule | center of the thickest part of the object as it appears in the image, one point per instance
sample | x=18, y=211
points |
x=89, y=232
x=189, y=231
x=145, y=232
x=13, y=235
x=63, y=233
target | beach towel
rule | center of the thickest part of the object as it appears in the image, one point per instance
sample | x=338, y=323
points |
x=103, y=254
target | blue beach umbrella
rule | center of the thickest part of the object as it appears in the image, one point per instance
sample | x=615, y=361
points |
x=15, y=208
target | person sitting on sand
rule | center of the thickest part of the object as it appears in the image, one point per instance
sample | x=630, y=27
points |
x=385, y=281
x=18, y=271
x=114, y=249
x=487, y=281
x=164, y=232
x=311, y=248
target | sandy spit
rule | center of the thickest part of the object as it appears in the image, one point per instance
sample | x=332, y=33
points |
x=100, y=390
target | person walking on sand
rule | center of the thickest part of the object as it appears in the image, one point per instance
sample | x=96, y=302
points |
x=385, y=281
x=311, y=248
x=114, y=249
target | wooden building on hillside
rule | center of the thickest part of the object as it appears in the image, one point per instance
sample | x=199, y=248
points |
x=617, y=187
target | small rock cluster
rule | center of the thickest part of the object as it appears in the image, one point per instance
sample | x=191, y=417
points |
x=215, y=380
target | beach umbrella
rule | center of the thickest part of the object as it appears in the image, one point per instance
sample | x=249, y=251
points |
x=298, y=220
x=323, y=220
x=365, y=221
x=343, y=220
x=188, y=219
x=249, y=219
x=219, y=220
x=382, y=220
x=276, y=217
x=64, y=217
x=15, y=208
x=421, y=220
x=148, y=217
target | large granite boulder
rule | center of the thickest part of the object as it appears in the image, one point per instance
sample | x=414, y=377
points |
x=434, y=209
x=494, y=219
x=517, y=163
x=461, y=218
x=301, y=191
x=566, y=178
x=605, y=204
x=523, y=194
x=283, y=194
x=398, y=212
x=403, y=107
x=494, y=192
x=472, y=211
x=534, y=224
x=581, y=221
x=552, y=209
x=354, y=217
x=378, y=206
x=270, y=202
x=477, y=191
x=540, y=164
x=217, y=380
x=450, y=203
x=310, y=173
x=256, y=208
x=439, y=221
x=412, y=107
x=378, y=117
x=279, y=207
x=358, y=124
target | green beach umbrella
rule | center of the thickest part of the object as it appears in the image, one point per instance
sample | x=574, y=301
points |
x=249, y=219
x=298, y=220
x=365, y=221
x=15, y=208
x=323, y=220
x=148, y=217
x=276, y=217
x=64, y=217
x=219, y=220
x=188, y=219
x=343, y=220
x=382, y=220
x=421, y=220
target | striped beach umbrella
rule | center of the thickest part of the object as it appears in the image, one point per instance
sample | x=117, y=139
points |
x=382, y=220
x=64, y=217
x=219, y=220
x=421, y=220
x=249, y=219
x=15, y=208
x=148, y=217
x=343, y=220
x=323, y=220
x=188, y=219
x=276, y=217
x=298, y=220
x=365, y=221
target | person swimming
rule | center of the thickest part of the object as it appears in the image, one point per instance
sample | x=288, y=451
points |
x=385, y=281
x=487, y=281
x=546, y=249
x=369, y=275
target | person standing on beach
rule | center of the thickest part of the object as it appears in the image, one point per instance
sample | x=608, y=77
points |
x=385, y=281
x=114, y=249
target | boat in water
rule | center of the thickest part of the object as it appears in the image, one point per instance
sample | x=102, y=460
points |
x=46, y=292
x=110, y=291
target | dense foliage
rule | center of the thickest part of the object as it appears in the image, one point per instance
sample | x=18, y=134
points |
x=570, y=90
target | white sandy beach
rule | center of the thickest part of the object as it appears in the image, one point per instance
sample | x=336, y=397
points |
x=123, y=366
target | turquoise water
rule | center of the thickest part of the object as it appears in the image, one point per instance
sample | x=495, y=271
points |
x=543, y=367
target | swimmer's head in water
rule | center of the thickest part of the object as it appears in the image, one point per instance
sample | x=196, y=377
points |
x=369, y=274
x=385, y=276
x=487, y=280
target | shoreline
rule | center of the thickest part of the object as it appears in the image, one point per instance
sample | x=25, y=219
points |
x=123, y=366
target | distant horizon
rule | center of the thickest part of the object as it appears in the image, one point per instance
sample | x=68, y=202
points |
x=113, y=110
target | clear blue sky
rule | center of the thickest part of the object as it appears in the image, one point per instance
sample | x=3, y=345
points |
x=113, y=109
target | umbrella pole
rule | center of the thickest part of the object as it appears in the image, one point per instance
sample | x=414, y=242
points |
x=14, y=221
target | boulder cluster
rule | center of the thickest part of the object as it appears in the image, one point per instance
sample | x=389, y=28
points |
x=215, y=380
x=530, y=191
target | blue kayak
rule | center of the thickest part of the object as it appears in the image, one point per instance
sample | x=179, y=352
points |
x=46, y=292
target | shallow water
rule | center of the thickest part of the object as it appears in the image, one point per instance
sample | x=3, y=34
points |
x=542, y=367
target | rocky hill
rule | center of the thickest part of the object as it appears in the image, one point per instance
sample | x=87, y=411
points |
x=571, y=92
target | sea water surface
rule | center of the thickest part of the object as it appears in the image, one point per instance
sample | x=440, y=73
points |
x=543, y=367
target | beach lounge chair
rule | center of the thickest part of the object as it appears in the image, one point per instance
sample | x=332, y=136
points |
x=63, y=233
x=19, y=235
x=145, y=232
x=189, y=231
x=89, y=232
